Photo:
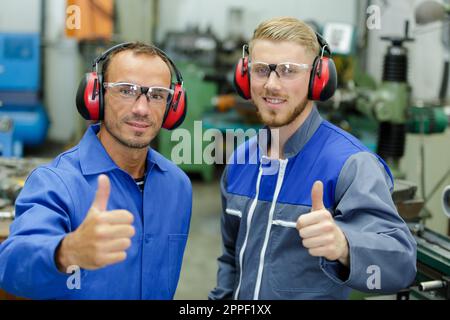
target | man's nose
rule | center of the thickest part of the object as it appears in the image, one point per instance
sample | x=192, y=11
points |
x=273, y=81
x=141, y=105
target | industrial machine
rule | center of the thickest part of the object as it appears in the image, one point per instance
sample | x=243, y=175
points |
x=433, y=265
x=20, y=92
x=13, y=173
x=389, y=102
x=382, y=114
x=433, y=249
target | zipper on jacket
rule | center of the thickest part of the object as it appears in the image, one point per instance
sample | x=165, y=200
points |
x=283, y=164
x=249, y=220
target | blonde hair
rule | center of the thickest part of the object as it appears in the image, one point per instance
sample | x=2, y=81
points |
x=287, y=29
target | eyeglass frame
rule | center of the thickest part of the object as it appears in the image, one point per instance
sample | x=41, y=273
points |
x=325, y=50
x=144, y=89
x=273, y=67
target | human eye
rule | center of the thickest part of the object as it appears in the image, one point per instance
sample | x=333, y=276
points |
x=288, y=69
x=158, y=95
x=260, y=69
x=127, y=90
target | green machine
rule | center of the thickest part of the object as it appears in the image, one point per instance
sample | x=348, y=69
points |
x=433, y=265
x=433, y=249
x=188, y=138
x=389, y=104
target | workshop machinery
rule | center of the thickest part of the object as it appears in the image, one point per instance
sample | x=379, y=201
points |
x=433, y=249
x=13, y=174
x=20, y=92
x=381, y=115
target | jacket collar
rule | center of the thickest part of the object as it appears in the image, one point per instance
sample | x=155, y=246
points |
x=298, y=140
x=94, y=159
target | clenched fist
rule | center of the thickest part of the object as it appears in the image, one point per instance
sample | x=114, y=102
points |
x=101, y=239
x=320, y=234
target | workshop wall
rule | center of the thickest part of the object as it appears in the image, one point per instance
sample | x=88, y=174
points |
x=178, y=15
x=20, y=18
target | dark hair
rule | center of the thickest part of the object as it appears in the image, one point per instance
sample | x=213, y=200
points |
x=137, y=48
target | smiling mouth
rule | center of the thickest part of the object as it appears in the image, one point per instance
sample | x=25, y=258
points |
x=138, y=125
x=274, y=101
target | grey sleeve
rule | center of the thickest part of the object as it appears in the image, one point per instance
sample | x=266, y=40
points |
x=226, y=273
x=381, y=247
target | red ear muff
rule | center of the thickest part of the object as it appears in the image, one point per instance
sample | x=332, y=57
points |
x=176, y=109
x=89, y=98
x=323, y=79
x=242, y=78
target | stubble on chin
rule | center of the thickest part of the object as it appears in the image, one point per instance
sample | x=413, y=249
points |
x=130, y=143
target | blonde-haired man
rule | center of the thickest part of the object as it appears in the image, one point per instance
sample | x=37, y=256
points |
x=314, y=216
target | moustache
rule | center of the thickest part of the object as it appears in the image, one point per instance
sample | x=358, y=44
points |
x=145, y=120
x=274, y=95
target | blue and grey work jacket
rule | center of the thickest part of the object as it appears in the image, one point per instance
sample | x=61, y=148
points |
x=263, y=256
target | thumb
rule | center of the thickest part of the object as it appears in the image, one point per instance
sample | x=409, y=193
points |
x=102, y=194
x=317, y=196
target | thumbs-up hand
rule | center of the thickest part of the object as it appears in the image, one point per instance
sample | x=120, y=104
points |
x=320, y=234
x=101, y=239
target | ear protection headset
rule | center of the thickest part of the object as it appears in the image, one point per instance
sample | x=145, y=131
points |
x=90, y=94
x=322, y=81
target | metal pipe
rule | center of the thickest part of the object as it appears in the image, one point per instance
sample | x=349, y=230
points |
x=432, y=285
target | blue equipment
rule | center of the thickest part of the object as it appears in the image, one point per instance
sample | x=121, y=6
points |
x=20, y=78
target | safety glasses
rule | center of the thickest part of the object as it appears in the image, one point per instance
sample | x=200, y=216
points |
x=131, y=92
x=284, y=71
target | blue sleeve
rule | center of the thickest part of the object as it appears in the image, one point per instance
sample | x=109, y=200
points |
x=27, y=264
x=381, y=247
x=226, y=273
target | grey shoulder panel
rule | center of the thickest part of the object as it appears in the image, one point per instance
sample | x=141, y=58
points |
x=363, y=171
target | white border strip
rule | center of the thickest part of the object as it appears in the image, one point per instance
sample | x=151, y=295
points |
x=249, y=220
x=287, y=224
x=233, y=212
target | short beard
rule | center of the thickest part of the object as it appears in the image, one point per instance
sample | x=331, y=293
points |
x=124, y=142
x=271, y=121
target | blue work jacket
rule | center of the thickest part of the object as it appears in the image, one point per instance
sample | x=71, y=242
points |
x=55, y=200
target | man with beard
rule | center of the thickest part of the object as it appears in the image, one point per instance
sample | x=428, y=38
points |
x=313, y=217
x=109, y=218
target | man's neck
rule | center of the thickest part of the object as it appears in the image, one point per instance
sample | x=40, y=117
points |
x=128, y=159
x=282, y=134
